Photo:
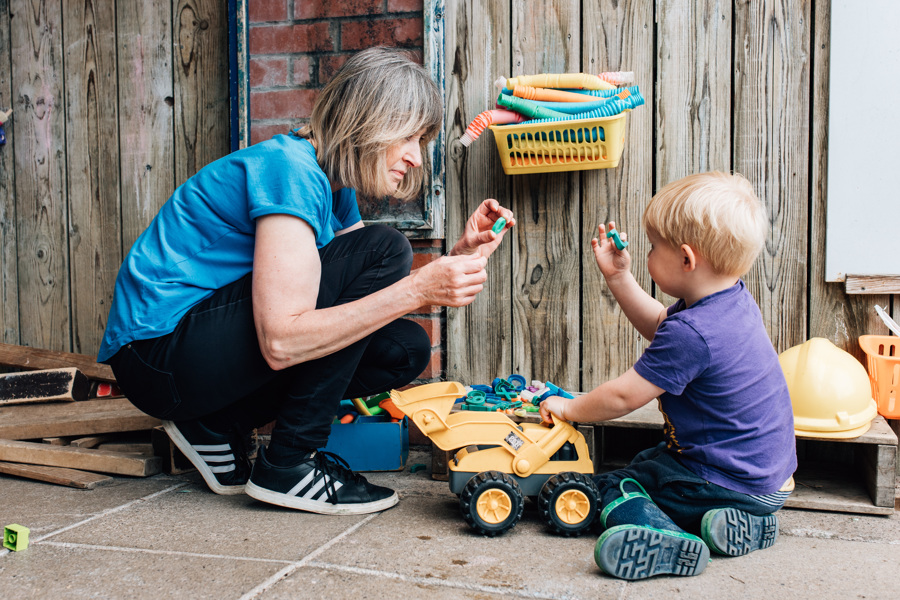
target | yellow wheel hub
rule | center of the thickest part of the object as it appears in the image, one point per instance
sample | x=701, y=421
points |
x=494, y=506
x=572, y=507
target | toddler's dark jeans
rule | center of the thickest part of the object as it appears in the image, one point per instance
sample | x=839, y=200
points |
x=683, y=496
x=211, y=366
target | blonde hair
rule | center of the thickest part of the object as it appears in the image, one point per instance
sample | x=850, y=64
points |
x=377, y=99
x=717, y=214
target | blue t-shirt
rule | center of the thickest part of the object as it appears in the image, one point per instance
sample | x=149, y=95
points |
x=728, y=415
x=203, y=237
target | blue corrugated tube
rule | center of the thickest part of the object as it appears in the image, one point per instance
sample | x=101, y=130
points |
x=529, y=108
x=604, y=93
x=610, y=108
x=592, y=93
x=574, y=108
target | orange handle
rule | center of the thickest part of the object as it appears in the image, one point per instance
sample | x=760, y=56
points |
x=549, y=95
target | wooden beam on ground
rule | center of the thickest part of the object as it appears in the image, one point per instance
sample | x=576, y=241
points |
x=91, y=441
x=128, y=447
x=32, y=359
x=102, y=461
x=87, y=418
x=55, y=441
x=82, y=480
x=47, y=385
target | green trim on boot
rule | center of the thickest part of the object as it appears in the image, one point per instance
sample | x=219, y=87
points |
x=625, y=497
x=733, y=532
x=639, y=552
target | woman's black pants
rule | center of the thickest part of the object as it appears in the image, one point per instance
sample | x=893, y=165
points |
x=211, y=368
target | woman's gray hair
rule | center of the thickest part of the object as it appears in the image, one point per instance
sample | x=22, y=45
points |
x=378, y=99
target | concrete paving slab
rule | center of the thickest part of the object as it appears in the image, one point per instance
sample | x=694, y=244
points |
x=51, y=570
x=425, y=538
x=340, y=583
x=170, y=537
x=44, y=507
x=792, y=568
x=841, y=526
x=193, y=519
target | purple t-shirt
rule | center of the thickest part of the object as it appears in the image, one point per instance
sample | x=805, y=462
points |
x=726, y=405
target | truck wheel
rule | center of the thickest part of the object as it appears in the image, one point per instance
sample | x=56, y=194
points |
x=568, y=503
x=492, y=503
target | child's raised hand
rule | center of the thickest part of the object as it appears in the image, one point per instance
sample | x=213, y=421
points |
x=552, y=405
x=611, y=260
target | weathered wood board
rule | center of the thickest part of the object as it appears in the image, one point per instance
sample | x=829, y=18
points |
x=70, y=419
x=26, y=357
x=102, y=461
x=113, y=103
x=83, y=480
x=728, y=86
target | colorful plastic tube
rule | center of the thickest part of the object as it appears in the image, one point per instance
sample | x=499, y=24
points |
x=529, y=108
x=609, y=109
x=604, y=93
x=497, y=116
x=546, y=94
x=560, y=80
x=617, y=78
x=612, y=107
x=572, y=108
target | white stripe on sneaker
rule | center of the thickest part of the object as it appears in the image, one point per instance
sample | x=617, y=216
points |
x=323, y=497
x=192, y=452
x=311, y=492
x=302, y=484
x=212, y=447
x=218, y=458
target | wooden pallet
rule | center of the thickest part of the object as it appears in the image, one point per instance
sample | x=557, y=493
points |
x=857, y=475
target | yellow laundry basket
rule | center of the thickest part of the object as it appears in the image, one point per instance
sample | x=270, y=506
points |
x=575, y=145
x=883, y=358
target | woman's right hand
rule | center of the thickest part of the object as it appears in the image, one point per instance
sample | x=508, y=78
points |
x=611, y=260
x=451, y=280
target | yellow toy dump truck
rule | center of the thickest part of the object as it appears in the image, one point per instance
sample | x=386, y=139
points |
x=498, y=462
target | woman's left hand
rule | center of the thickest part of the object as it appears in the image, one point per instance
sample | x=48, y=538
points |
x=478, y=236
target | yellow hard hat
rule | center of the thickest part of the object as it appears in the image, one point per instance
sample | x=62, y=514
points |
x=830, y=390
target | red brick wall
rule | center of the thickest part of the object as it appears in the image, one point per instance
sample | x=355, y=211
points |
x=295, y=46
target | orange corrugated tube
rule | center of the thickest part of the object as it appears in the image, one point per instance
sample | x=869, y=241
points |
x=548, y=94
x=497, y=116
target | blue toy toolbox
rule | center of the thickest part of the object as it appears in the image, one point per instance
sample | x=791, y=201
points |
x=371, y=443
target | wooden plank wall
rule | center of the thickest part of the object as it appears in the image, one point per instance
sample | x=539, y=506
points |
x=729, y=85
x=114, y=105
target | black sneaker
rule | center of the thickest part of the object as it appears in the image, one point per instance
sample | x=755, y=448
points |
x=323, y=483
x=733, y=532
x=222, y=459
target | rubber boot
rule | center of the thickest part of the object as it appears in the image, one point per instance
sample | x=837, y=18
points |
x=641, y=541
x=733, y=532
